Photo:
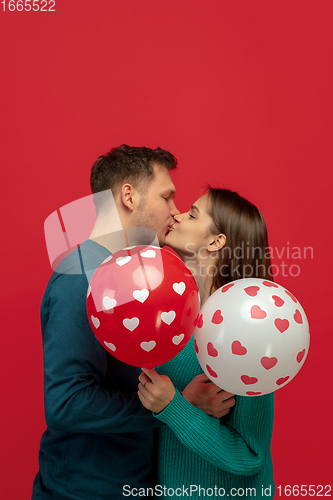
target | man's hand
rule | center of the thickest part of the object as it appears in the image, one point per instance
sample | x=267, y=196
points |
x=204, y=394
x=155, y=391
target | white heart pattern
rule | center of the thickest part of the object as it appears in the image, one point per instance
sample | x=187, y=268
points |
x=168, y=317
x=178, y=338
x=149, y=254
x=95, y=321
x=121, y=261
x=148, y=346
x=131, y=323
x=141, y=295
x=179, y=287
x=109, y=303
x=111, y=346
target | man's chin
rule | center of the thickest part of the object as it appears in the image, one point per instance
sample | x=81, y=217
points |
x=167, y=238
x=161, y=240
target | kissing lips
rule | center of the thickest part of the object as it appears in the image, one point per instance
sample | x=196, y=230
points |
x=169, y=229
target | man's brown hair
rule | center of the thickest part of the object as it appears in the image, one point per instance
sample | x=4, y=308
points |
x=128, y=164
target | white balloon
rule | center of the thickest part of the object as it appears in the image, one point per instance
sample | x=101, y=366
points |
x=252, y=337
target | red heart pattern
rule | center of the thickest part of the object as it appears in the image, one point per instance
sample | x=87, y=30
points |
x=268, y=363
x=291, y=296
x=200, y=321
x=211, y=371
x=269, y=283
x=217, y=317
x=252, y=290
x=300, y=356
x=226, y=287
x=282, y=380
x=298, y=317
x=257, y=313
x=254, y=373
x=211, y=350
x=281, y=324
x=238, y=348
x=248, y=380
x=278, y=301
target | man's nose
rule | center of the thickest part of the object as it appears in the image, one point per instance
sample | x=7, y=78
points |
x=174, y=210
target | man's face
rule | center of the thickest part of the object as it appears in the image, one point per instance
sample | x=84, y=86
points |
x=156, y=207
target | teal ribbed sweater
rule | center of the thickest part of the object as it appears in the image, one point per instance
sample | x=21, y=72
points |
x=195, y=449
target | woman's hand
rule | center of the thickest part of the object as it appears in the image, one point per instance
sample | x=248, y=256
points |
x=155, y=391
x=204, y=394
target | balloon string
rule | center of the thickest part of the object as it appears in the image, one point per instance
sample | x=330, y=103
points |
x=144, y=273
x=126, y=239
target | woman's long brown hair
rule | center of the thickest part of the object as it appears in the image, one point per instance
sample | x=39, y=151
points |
x=246, y=252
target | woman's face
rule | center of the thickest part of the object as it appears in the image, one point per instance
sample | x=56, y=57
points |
x=191, y=232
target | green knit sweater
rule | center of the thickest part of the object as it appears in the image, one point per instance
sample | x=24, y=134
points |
x=227, y=457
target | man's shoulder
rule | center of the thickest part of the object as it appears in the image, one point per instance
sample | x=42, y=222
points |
x=85, y=258
x=78, y=267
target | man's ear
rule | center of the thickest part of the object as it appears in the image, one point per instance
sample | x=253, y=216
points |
x=128, y=196
x=216, y=242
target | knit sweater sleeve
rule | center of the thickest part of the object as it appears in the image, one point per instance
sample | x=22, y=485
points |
x=78, y=390
x=236, y=444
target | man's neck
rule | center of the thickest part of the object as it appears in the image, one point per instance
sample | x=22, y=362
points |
x=112, y=241
x=114, y=236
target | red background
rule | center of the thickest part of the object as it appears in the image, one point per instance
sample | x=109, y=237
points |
x=241, y=92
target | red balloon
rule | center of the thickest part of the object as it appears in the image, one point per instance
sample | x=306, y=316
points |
x=142, y=303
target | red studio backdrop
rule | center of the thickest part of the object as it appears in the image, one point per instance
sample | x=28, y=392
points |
x=241, y=93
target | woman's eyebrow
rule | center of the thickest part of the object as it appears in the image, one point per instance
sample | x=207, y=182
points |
x=193, y=207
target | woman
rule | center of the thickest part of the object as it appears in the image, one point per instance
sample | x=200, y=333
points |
x=222, y=238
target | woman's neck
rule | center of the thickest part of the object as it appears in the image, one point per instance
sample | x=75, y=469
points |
x=199, y=269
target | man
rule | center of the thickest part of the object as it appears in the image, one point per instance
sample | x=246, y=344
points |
x=99, y=437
